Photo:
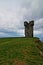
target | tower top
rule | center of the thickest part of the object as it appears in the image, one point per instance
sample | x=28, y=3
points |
x=31, y=22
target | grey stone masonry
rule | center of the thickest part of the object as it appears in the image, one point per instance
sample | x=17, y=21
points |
x=29, y=28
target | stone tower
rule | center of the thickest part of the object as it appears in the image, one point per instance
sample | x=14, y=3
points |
x=29, y=28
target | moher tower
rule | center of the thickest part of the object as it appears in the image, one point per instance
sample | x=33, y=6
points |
x=29, y=28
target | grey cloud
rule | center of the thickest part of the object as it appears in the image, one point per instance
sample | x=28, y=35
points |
x=39, y=24
x=36, y=9
x=25, y=10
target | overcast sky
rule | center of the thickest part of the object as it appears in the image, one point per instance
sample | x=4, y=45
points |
x=13, y=13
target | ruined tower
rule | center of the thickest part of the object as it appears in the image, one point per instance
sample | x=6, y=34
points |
x=29, y=28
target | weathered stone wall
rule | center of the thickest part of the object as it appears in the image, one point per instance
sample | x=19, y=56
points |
x=29, y=28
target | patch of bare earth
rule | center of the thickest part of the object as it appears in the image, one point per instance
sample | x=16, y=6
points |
x=5, y=64
x=18, y=62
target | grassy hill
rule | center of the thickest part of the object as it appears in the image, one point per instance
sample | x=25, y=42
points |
x=20, y=51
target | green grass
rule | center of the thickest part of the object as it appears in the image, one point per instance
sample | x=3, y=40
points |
x=23, y=49
x=41, y=46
